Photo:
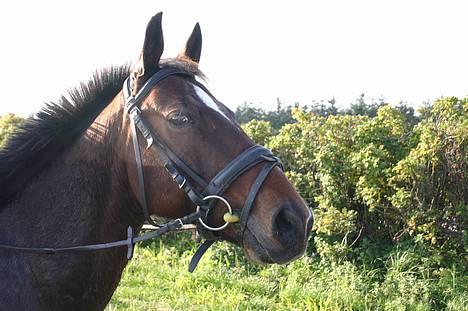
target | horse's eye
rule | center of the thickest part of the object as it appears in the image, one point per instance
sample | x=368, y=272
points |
x=179, y=119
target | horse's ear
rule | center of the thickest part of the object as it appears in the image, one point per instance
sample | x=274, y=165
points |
x=153, y=47
x=193, y=46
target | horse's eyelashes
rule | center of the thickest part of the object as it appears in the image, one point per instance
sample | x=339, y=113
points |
x=179, y=119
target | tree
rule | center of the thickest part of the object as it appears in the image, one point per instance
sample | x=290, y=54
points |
x=247, y=112
x=323, y=108
x=361, y=108
x=277, y=118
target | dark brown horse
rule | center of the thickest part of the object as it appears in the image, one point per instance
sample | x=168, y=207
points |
x=70, y=177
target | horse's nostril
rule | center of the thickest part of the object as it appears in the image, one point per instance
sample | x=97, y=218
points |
x=285, y=224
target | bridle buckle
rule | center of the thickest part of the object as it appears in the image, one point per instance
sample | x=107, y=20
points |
x=181, y=185
x=179, y=179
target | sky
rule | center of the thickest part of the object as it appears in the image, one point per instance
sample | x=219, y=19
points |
x=253, y=51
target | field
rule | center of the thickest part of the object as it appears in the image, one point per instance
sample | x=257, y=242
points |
x=157, y=279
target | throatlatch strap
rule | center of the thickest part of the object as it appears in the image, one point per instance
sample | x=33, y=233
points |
x=141, y=176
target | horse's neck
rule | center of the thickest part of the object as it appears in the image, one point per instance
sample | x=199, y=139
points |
x=79, y=195
x=81, y=198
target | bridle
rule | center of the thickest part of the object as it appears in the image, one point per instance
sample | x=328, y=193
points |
x=215, y=188
x=184, y=176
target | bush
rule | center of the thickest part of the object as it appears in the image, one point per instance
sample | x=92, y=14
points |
x=378, y=182
x=431, y=183
x=9, y=123
x=260, y=131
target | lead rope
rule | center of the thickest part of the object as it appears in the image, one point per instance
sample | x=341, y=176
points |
x=130, y=241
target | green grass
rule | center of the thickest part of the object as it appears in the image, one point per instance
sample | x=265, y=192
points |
x=157, y=279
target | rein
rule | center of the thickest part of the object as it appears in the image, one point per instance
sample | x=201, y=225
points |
x=183, y=175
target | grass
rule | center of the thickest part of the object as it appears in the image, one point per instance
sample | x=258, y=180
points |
x=157, y=279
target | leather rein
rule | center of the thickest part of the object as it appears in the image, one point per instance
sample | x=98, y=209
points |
x=184, y=176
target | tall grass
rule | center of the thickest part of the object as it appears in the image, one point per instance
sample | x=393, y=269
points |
x=157, y=279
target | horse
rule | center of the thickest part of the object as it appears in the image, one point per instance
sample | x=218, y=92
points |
x=70, y=177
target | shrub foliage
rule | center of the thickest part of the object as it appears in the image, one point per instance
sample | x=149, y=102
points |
x=380, y=182
x=8, y=125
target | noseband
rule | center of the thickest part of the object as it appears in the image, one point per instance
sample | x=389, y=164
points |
x=184, y=176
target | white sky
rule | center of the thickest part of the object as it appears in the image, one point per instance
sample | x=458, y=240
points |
x=252, y=51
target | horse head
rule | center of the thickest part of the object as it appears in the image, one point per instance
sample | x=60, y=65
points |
x=190, y=124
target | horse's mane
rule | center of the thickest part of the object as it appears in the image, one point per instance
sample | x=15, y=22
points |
x=47, y=134
x=41, y=138
x=56, y=126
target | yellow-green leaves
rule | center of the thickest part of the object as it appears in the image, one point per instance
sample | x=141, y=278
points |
x=8, y=125
x=379, y=178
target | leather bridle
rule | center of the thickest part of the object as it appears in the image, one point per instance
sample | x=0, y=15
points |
x=184, y=176
x=179, y=171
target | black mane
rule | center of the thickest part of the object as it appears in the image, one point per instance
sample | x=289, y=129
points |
x=47, y=134
x=42, y=137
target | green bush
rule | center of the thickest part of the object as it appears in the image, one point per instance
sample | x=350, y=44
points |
x=375, y=182
x=260, y=131
x=431, y=183
x=8, y=125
